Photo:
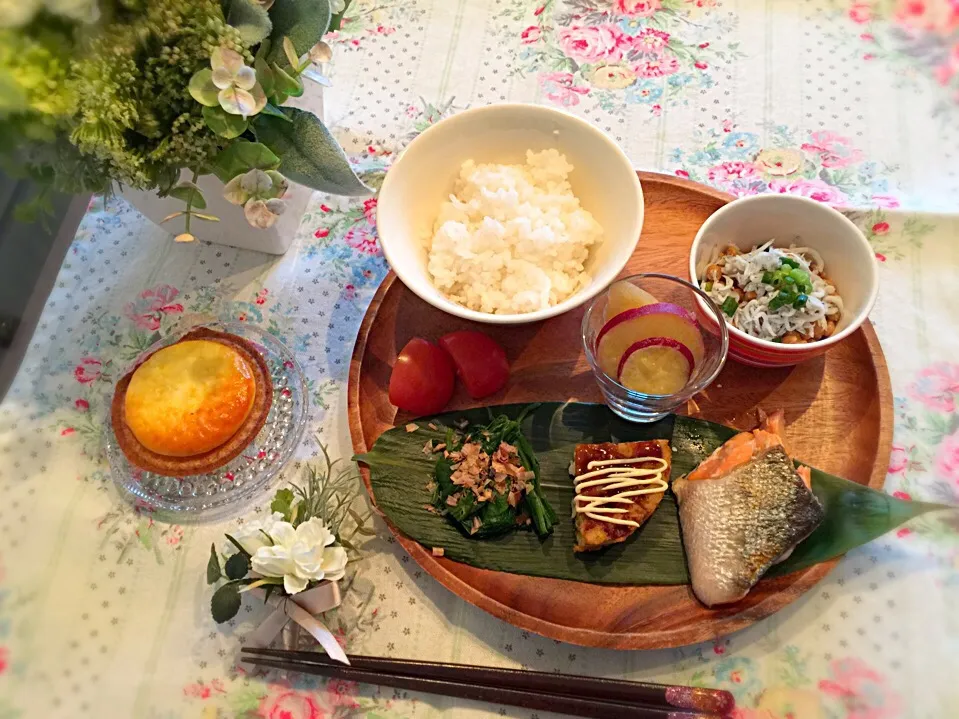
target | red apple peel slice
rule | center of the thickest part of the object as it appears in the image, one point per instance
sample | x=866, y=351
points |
x=662, y=319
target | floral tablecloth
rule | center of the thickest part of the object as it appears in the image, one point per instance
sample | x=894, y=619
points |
x=104, y=611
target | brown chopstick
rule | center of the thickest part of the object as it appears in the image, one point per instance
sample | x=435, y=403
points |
x=569, y=694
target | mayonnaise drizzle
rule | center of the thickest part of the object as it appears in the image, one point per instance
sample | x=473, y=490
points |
x=635, y=481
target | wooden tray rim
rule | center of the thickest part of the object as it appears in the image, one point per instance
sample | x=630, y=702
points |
x=436, y=567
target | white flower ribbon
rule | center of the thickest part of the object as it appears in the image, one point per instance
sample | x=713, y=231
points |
x=301, y=609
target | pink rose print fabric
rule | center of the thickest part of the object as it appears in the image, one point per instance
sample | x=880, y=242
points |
x=342, y=693
x=862, y=691
x=638, y=8
x=657, y=66
x=918, y=36
x=586, y=44
x=343, y=234
x=887, y=202
x=362, y=241
x=89, y=370
x=947, y=459
x=727, y=172
x=337, y=699
x=559, y=87
x=936, y=387
x=290, y=705
x=813, y=189
x=833, y=149
x=861, y=12
x=845, y=687
x=532, y=34
x=201, y=690
x=898, y=460
x=148, y=309
x=925, y=459
x=822, y=165
x=362, y=237
x=369, y=28
x=620, y=53
x=369, y=211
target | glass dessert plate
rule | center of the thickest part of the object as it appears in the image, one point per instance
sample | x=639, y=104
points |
x=204, y=497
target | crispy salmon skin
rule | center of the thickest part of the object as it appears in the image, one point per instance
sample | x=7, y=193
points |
x=744, y=508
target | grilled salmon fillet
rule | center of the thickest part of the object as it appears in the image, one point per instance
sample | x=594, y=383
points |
x=744, y=508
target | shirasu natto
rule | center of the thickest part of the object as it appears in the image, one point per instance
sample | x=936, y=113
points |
x=754, y=317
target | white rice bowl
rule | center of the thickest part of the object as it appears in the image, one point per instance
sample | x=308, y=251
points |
x=512, y=239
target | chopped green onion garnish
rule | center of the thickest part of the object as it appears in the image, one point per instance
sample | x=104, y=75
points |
x=788, y=262
x=800, y=301
x=781, y=300
x=801, y=277
x=708, y=286
x=730, y=306
x=768, y=278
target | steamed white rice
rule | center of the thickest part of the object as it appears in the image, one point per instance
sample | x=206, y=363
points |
x=512, y=238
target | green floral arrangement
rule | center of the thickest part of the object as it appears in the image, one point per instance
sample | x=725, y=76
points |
x=152, y=94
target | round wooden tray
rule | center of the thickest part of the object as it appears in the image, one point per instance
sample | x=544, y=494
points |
x=838, y=412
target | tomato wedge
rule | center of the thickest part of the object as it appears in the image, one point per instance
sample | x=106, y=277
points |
x=422, y=378
x=480, y=361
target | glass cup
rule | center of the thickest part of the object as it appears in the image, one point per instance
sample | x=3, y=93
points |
x=667, y=290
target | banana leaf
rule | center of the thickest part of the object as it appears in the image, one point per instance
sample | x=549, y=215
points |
x=400, y=472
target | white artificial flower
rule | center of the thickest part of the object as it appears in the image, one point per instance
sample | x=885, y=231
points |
x=251, y=536
x=239, y=92
x=262, y=214
x=230, y=70
x=300, y=555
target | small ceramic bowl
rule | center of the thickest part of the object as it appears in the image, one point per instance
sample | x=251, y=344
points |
x=423, y=176
x=791, y=220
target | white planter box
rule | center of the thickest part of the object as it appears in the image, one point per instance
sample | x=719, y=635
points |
x=232, y=229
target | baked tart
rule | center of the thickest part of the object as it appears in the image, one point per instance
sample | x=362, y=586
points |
x=191, y=407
